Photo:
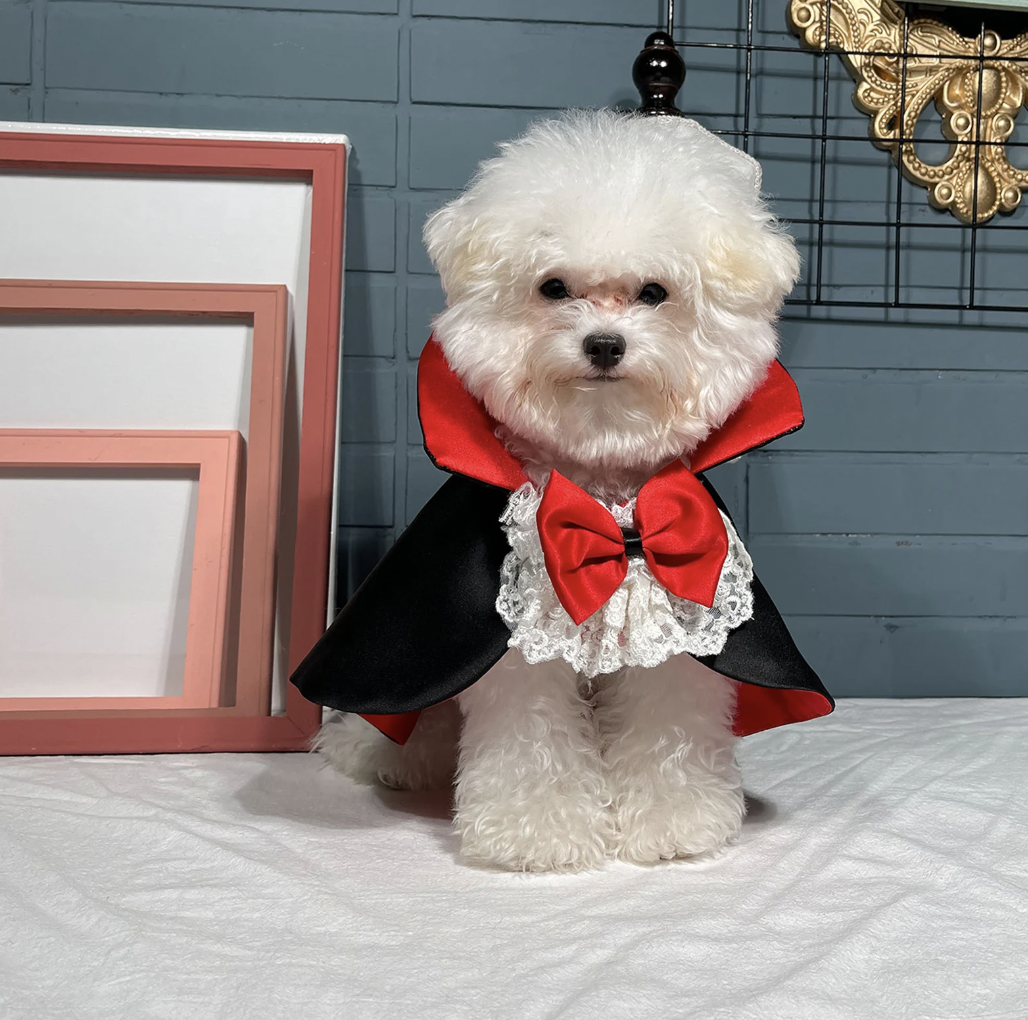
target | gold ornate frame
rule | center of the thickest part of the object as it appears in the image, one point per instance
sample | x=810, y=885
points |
x=900, y=64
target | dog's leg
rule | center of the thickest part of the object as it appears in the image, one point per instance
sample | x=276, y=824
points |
x=531, y=794
x=669, y=748
x=426, y=762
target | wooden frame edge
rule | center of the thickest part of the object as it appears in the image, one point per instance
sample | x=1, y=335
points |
x=215, y=454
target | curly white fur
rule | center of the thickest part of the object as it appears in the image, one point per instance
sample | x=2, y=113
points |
x=556, y=775
x=427, y=761
x=557, y=771
x=531, y=790
x=669, y=754
x=608, y=203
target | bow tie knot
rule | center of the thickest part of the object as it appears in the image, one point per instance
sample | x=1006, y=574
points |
x=633, y=542
x=678, y=531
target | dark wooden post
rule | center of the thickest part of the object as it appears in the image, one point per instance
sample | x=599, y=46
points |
x=658, y=73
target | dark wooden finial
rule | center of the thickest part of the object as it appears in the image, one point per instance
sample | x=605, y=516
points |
x=658, y=73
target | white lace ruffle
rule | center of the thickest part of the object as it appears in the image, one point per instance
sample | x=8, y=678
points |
x=641, y=625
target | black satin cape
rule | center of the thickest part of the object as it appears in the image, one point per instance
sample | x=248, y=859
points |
x=423, y=626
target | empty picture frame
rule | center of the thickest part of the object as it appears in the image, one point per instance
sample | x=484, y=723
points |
x=204, y=206
x=244, y=723
x=216, y=458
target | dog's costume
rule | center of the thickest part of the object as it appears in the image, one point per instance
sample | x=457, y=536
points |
x=489, y=563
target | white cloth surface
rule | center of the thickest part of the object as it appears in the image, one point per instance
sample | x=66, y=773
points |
x=882, y=874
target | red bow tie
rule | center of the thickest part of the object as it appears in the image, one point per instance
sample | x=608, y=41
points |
x=679, y=531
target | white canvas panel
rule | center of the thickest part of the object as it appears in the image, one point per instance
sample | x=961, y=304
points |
x=95, y=572
x=159, y=229
x=117, y=373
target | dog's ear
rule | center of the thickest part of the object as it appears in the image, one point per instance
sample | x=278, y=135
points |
x=751, y=266
x=749, y=263
x=442, y=233
x=456, y=248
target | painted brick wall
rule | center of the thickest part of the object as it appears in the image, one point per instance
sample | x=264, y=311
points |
x=891, y=530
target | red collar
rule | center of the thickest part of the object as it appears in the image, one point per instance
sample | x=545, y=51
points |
x=460, y=435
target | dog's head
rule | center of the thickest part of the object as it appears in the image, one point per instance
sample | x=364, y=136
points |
x=612, y=283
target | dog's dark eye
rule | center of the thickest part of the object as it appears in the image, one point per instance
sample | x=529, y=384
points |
x=554, y=290
x=652, y=294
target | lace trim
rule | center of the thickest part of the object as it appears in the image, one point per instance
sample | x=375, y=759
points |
x=641, y=625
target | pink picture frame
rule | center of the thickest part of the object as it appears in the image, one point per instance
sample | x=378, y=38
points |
x=324, y=167
x=216, y=455
x=241, y=720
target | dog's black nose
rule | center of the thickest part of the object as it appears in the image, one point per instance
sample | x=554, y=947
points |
x=604, y=350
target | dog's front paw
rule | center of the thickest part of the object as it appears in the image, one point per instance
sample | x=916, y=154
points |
x=659, y=824
x=542, y=829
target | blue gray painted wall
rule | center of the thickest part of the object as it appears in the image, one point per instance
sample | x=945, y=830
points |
x=891, y=530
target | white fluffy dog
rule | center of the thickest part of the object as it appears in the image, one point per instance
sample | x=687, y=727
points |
x=612, y=283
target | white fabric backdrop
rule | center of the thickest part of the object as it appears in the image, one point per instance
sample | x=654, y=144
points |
x=882, y=874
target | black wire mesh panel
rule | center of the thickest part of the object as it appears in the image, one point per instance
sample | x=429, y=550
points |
x=869, y=237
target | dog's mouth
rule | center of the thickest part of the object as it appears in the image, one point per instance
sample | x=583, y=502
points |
x=601, y=377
